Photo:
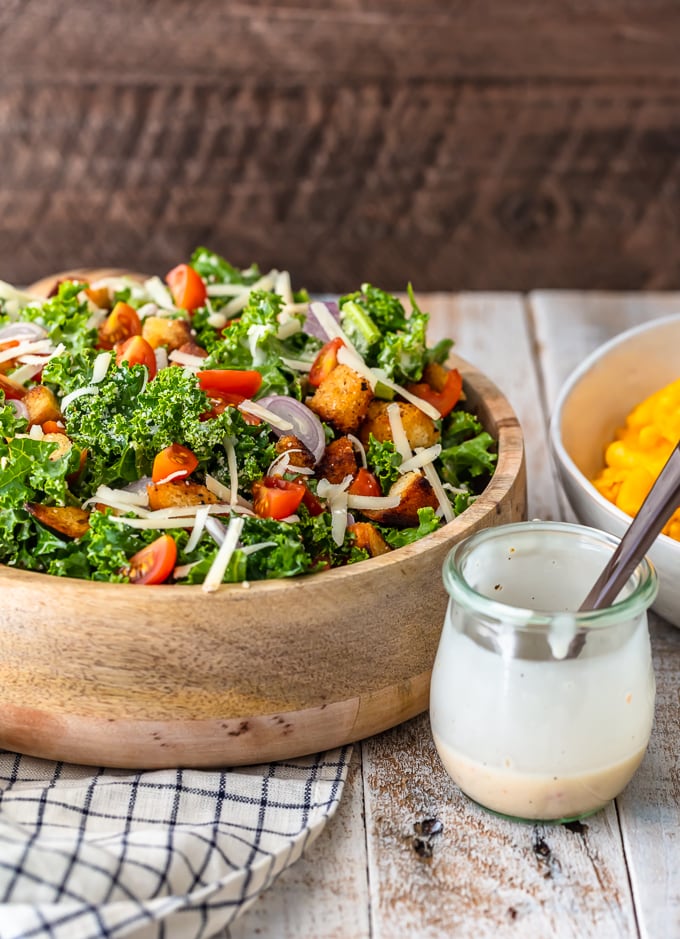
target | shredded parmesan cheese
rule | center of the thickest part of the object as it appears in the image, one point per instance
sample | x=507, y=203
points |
x=232, y=466
x=159, y=293
x=215, y=575
x=186, y=359
x=202, y=513
x=424, y=456
x=101, y=366
x=436, y=483
x=376, y=503
x=359, y=447
x=26, y=347
x=78, y=393
x=257, y=410
x=399, y=437
x=336, y=495
x=297, y=364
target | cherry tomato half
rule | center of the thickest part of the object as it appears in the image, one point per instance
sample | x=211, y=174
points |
x=121, y=323
x=325, y=361
x=13, y=390
x=365, y=483
x=137, y=351
x=244, y=382
x=174, y=462
x=187, y=287
x=274, y=497
x=219, y=400
x=444, y=400
x=154, y=563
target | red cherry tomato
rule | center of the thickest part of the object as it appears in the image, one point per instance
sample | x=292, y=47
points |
x=444, y=400
x=365, y=483
x=325, y=362
x=174, y=461
x=244, y=382
x=274, y=497
x=187, y=287
x=13, y=390
x=137, y=351
x=154, y=563
x=219, y=400
x=121, y=323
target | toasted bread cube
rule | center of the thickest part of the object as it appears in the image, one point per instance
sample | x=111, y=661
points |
x=69, y=520
x=64, y=444
x=300, y=456
x=420, y=430
x=161, y=331
x=180, y=492
x=41, y=404
x=342, y=399
x=192, y=348
x=415, y=493
x=339, y=460
x=369, y=538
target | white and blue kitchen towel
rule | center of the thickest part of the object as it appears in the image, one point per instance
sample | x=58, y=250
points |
x=107, y=854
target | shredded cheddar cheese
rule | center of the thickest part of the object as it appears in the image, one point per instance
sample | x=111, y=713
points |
x=639, y=451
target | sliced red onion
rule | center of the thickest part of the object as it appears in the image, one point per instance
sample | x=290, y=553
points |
x=19, y=407
x=22, y=331
x=216, y=529
x=306, y=425
x=313, y=327
x=138, y=485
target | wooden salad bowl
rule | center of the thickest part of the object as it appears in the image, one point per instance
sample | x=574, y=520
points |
x=136, y=676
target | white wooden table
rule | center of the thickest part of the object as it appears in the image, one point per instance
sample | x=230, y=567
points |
x=407, y=855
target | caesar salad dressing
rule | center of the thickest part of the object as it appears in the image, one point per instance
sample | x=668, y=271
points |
x=522, y=728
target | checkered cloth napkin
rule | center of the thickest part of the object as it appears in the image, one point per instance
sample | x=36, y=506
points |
x=88, y=853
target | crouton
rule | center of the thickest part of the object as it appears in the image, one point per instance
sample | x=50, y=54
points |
x=162, y=331
x=180, y=492
x=69, y=520
x=300, y=456
x=415, y=492
x=191, y=347
x=41, y=404
x=420, y=430
x=342, y=399
x=368, y=537
x=63, y=445
x=339, y=460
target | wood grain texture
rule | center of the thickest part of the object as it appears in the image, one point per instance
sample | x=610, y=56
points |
x=461, y=146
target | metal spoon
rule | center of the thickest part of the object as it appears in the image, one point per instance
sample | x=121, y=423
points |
x=661, y=501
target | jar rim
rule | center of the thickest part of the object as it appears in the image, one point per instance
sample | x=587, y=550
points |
x=641, y=596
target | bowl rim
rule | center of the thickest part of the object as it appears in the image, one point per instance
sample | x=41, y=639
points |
x=509, y=440
x=561, y=457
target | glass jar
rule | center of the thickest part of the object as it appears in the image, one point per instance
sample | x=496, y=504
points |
x=539, y=712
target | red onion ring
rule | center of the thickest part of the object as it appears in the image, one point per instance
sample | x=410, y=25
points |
x=19, y=407
x=306, y=425
x=313, y=327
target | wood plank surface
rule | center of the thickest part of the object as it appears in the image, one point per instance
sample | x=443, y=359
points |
x=462, y=146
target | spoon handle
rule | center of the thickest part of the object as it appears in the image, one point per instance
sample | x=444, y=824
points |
x=662, y=500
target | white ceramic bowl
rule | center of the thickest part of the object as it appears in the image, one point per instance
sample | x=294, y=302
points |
x=595, y=401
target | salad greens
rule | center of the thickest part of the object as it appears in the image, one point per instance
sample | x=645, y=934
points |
x=271, y=477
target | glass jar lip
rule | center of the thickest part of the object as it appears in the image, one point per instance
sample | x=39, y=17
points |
x=635, y=603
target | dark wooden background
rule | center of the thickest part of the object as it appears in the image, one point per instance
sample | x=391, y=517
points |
x=491, y=144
